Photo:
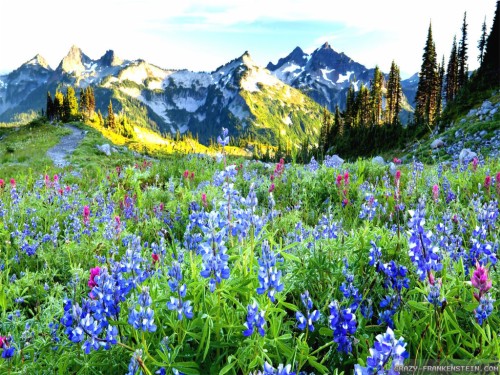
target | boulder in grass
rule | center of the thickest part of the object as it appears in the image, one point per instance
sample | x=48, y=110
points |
x=466, y=155
x=378, y=160
x=105, y=149
x=437, y=143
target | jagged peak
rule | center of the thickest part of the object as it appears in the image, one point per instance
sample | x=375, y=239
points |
x=38, y=60
x=110, y=59
x=326, y=45
x=74, y=60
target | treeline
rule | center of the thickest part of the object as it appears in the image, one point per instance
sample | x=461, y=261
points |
x=370, y=121
x=66, y=107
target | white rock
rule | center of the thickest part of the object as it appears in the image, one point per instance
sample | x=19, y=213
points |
x=378, y=160
x=336, y=160
x=392, y=169
x=105, y=149
x=466, y=155
x=437, y=143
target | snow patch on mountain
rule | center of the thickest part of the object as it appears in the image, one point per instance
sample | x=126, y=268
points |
x=344, y=78
x=187, y=103
x=287, y=120
x=256, y=76
x=324, y=72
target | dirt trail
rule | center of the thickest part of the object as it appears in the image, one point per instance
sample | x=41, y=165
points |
x=66, y=146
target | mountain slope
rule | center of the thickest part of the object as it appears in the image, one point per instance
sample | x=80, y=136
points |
x=325, y=76
x=239, y=95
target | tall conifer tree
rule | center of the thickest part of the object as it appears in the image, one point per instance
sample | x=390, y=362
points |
x=481, y=44
x=462, y=55
x=426, y=97
x=451, y=85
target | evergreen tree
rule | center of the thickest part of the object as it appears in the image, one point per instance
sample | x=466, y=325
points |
x=481, y=44
x=324, y=131
x=70, y=105
x=91, y=100
x=451, y=86
x=110, y=122
x=376, y=97
x=364, y=105
x=462, y=55
x=394, y=94
x=100, y=119
x=50, y=107
x=58, y=105
x=84, y=102
x=350, y=110
x=489, y=70
x=426, y=97
x=440, y=87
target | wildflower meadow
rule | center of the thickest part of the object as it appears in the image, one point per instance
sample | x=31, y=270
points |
x=217, y=265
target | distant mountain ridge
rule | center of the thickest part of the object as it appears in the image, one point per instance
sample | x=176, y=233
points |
x=280, y=104
x=325, y=75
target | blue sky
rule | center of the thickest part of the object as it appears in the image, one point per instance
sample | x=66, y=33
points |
x=202, y=35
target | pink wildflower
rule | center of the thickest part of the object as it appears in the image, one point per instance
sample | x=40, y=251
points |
x=435, y=192
x=86, y=214
x=480, y=281
x=12, y=183
x=93, y=273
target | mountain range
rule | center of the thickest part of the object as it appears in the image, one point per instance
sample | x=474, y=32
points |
x=281, y=103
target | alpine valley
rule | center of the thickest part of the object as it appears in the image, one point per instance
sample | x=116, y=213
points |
x=280, y=104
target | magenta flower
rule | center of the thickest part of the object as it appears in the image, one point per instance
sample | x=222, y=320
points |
x=86, y=214
x=435, y=192
x=480, y=281
x=12, y=183
x=93, y=273
x=271, y=188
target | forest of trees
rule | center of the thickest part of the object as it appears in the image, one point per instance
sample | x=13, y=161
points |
x=370, y=122
x=66, y=107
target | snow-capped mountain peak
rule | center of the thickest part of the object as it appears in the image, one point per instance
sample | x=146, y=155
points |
x=75, y=62
x=38, y=60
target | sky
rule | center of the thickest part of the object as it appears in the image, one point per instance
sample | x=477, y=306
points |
x=202, y=35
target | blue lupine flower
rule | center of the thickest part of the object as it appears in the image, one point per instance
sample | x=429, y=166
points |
x=269, y=275
x=213, y=250
x=311, y=317
x=484, y=309
x=434, y=294
x=255, y=320
x=133, y=365
x=343, y=324
x=313, y=165
x=224, y=140
x=348, y=289
x=183, y=308
x=144, y=318
x=386, y=348
x=268, y=369
x=424, y=253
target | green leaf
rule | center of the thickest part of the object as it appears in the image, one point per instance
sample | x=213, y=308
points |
x=323, y=331
x=188, y=368
x=227, y=368
x=419, y=306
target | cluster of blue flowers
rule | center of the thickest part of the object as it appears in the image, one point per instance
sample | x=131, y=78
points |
x=144, y=318
x=343, y=324
x=269, y=275
x=90, y=322
x=387, y=352
x=268, y=369
x=255, y=320
x=310, y=317
x=177, y=303
x=423, y=249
